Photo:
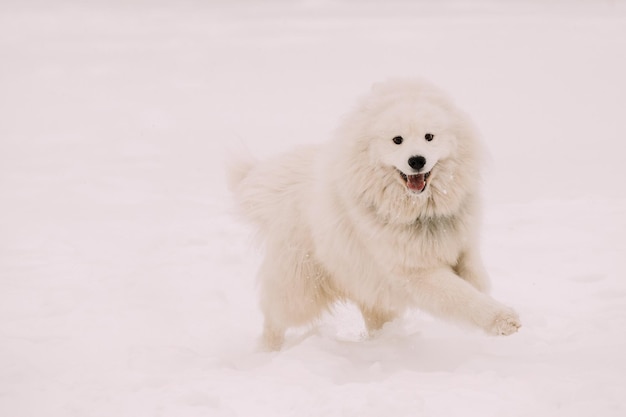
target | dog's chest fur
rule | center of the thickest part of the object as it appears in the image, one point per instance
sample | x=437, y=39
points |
x=427, y=243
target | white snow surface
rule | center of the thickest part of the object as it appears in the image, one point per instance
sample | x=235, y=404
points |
x=127, y=285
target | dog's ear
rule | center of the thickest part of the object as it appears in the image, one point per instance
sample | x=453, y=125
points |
x=378, y=87
x=391, y=87
x=402, y=85
x=381, y=94
x=470, y=140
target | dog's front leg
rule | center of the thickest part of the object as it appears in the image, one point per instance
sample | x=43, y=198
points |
x=443, y=293
x=470, y=268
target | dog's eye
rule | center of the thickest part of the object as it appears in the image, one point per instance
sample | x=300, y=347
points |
x=429, y=136
x=398, y=140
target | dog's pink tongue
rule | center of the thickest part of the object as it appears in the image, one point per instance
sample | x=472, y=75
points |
x=416, y=182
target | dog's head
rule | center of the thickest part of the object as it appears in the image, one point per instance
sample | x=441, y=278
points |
x=412, y=136
x=418, y=155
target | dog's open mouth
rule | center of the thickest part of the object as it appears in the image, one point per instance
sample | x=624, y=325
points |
x=417, y=182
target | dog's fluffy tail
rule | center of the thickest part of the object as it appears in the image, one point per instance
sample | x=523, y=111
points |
x=249, y=197
x=237, y=169
x=252, y=203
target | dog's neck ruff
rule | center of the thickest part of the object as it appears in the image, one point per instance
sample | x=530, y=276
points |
x=391, y=202
x=401, y=208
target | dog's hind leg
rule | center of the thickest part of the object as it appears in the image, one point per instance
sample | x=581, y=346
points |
x=273, y=335
x=294, y=292
x=375, y=318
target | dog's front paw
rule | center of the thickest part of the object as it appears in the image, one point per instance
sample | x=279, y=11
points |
x=506, y=322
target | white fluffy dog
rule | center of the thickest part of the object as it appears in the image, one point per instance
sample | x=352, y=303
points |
x=385, y=214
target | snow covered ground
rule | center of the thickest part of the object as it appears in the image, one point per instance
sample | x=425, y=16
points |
x=127, y=287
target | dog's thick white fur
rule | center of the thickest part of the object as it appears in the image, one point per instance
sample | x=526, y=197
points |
x=385, y=214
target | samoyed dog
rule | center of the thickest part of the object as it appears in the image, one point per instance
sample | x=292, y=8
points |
x=385, y=214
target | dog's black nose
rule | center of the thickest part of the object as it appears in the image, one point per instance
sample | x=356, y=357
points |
x=417, y=162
